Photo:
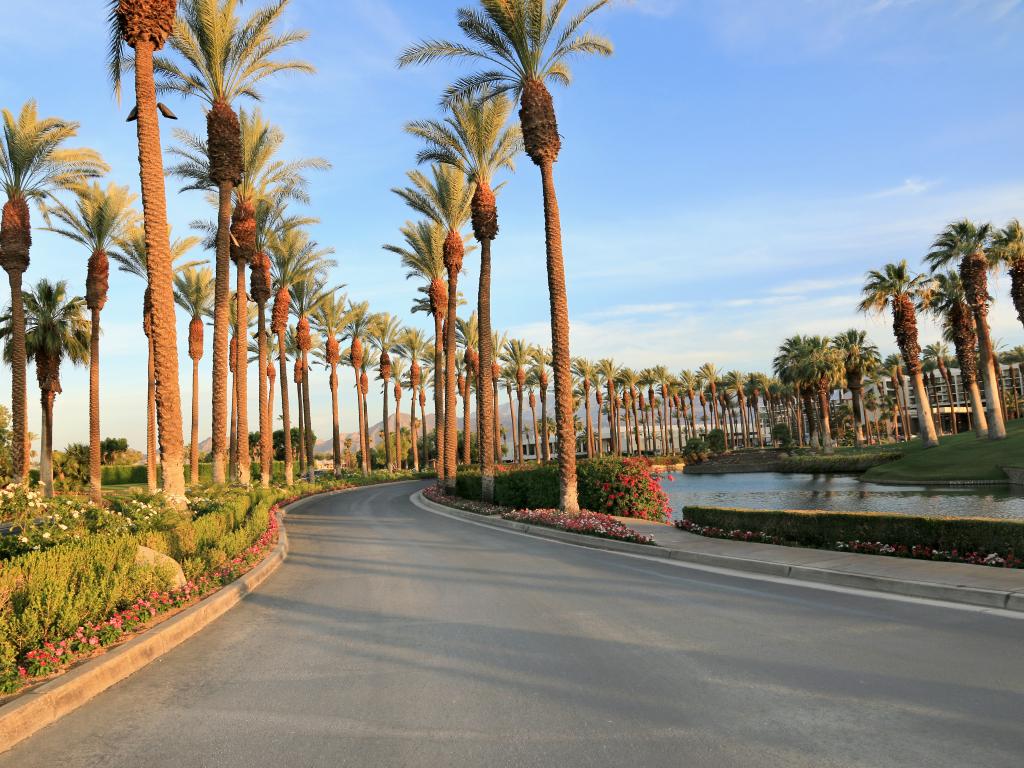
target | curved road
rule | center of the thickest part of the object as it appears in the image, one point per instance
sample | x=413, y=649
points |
x=396, y=637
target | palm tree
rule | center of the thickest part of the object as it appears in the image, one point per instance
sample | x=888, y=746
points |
x=370, y=360
x=295, y=259
x=629, y=379
x=193, y=290
x=99, y=219
x=541, y=360
x=517, y=355
x=690, y=383
x=897, y=287
x=586, y=372
x=384, y=333
x=708, y=377
x=34, y=165
x=330, y=318
x=609, y=371
x=55, y=328
x=145, y=25
x=467, y=335
x=945, y=298
x=306, y=297
x=965, y=243
x=226, y=59
x=446, y=200
x=476, y=139
x=735, y=383
x=523, y=39
x=397, y=372
x=937, y=353
x=423, y=257
x=359, y=319
x=860, y=358
x=267, y=184
x=131, y=258
x=414, y=346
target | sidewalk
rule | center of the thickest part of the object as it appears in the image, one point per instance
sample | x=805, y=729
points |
x=955, y=582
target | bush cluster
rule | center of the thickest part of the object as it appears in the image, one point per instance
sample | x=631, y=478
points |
x=825, y=529
x=696, y=451
x=617, y=486
x=837, y=463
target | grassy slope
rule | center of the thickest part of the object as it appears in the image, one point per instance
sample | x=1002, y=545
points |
x=961, y=457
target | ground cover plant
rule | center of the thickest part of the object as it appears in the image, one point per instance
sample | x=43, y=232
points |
x=583, y=522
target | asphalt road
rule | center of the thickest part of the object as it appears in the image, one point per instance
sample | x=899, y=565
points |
x=396, y=637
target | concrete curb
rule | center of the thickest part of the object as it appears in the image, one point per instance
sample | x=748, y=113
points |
x=1011, y=600
x=46, y=704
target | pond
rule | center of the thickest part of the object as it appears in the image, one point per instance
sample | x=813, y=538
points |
x=840, y=493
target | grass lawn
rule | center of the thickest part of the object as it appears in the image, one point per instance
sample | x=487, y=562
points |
x=960, y=457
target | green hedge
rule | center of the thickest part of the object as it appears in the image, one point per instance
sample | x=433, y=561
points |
x=813, y=528
x=135, y=474
x=837, y=463
x=536, y=487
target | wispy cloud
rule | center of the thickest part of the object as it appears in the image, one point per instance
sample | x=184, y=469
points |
x=909, y=187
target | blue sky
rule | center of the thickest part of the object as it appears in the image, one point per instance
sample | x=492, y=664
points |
x=726, y=177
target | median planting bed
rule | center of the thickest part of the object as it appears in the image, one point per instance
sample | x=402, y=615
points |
x=586, y=523
x=979, y=541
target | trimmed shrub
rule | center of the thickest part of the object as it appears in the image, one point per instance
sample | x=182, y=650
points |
x=782, y=436
x=818, y=529
x=696, y=451
x=837, y=463
x=612, y=485
x=715, y=440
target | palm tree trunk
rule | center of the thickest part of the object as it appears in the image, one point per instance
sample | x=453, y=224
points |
x=440, y=422
x=19, y=393
x=301, y=452
x=398, y=435
x=590, y=424
x=451, y=406
x=152, y=481
x=164, y=331
x=366, y=437
x=636, y=429
x=387, y=430
x=519, y=431
x=993, y=406
x=486, y=390
x=858, y=413
x=233, y=436
x=308, y=419
x=289, y=466
x=95, y=457
x=194, y=448
x=924, y=414
x=266, y=399
x=412, y=432
x=335, y=421
x=536, y=436
x=561, y=362
x=46, y=444
x=241, y=376
x=467, y=433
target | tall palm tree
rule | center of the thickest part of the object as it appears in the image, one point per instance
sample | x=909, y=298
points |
x=55, y=329
x=467, y=335
x=526, y=47
x=897, y=287
x=936, y=353
x=609, y=371
x=860, y=358
x=193, y=290
x=423, y=258
x=370, y=361
x=306, y=296
x=518, y=355
x=541, y=360
x=445, y=199
x=476, y=139
x=708, y=376
x=630, y=379
x=384, y=334
x=586, y=371
x=359, y=320
x=509, y=377
x=945, y=298
x=690, y=383
x=145, y=26
x=295, y=259
x=265, y=187
x=735, y=383
x=414, y=346
x=99, y=219
x=329, y=319
x=226, y=58
x=965, y=243
x=397, y=372
x=131, y=258
x=34, y=165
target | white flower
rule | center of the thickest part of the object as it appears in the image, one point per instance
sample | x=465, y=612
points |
x=46, y=535
x=62, y=526
x=23, y=539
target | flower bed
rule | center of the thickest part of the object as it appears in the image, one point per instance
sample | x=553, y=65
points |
x=915, y=551
x=585, y=523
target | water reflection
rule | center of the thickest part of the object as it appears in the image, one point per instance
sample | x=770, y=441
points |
x=842, y=493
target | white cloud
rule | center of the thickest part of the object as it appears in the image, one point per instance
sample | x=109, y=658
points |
x=909, y=187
